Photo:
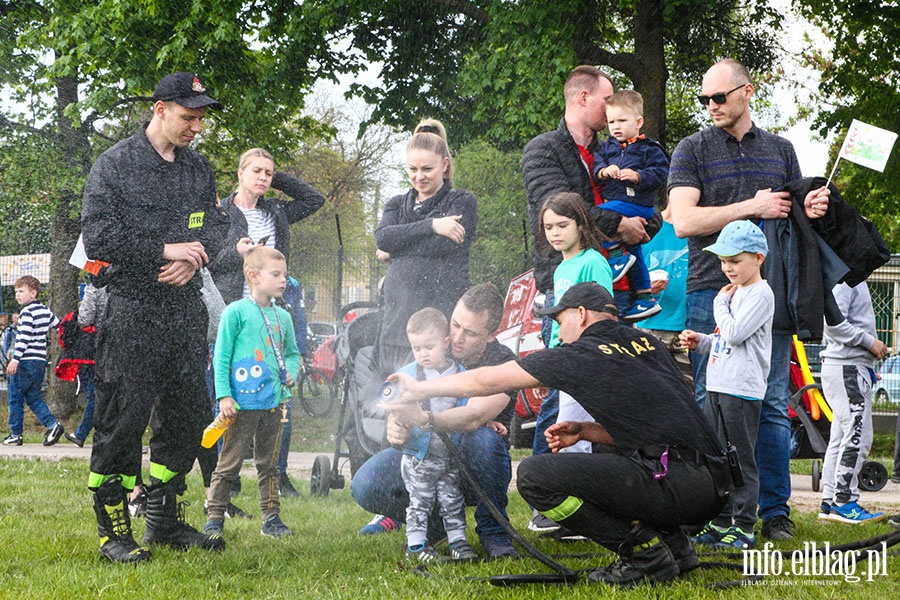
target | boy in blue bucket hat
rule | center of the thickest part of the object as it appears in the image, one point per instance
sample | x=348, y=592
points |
x=740, y=349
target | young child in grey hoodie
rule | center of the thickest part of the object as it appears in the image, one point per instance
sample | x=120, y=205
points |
x=848, y=375
x=740, y=351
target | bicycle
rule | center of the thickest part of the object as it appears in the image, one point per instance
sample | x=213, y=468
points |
x=317, y=391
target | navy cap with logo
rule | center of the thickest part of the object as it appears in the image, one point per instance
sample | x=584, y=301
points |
x=589, y=294
x=184, y=89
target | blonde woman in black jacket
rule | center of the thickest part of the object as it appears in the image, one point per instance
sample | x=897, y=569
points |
x=425, y=234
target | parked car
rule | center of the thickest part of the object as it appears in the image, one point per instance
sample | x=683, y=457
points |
x=887, y=388
x=317, y=332
x=520, y=331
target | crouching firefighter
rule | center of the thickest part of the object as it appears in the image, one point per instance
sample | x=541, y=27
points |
x=657, y=463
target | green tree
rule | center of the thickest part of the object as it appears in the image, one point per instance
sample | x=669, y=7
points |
x=494, y=68
x=860, y=79
x=74, y=69
x=502, y=244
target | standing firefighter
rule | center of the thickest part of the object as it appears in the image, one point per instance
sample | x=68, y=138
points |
x=150, y=210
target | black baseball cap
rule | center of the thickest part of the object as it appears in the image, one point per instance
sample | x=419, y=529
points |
x=184, y=89
x=589, y=294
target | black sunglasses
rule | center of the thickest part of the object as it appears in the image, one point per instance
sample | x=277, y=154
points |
x=719, y=98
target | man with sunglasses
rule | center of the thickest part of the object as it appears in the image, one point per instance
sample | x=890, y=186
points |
x=730, y=171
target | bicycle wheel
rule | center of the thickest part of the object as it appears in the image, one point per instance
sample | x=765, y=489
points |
x=316, y=394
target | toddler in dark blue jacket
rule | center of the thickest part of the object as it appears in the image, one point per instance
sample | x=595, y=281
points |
x=632, y=168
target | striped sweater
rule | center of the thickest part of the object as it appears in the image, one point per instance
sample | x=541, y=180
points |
x=31, y=340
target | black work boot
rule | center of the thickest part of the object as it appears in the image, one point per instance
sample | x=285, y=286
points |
x=165, y=520
x=651, y=562
x=682, y=550
x=114, y=524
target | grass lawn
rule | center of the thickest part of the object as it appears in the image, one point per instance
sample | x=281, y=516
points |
x=48, y=545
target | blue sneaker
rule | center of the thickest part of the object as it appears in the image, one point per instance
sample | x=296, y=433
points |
x=498, y=546
x=736, y=538
x=642, y=309
x=853, y=513
x=620, y=265
x=825, y=511
x=380, y=524
x=709, y=535
x=214, y=527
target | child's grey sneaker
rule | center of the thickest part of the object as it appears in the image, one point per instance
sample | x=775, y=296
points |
x=12, y=440
x=274, y=527
x=462, y=551
x=423, y=554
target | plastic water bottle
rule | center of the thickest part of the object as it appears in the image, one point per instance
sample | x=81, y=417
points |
x=214, y=430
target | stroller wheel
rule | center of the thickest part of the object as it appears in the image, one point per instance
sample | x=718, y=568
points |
x=320, y=479
x=816, y=474
x=872, y=476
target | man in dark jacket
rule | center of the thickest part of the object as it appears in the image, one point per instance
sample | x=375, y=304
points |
x=150, y=211
x=561, y=161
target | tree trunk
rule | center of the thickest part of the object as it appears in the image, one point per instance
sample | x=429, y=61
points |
x=66, y=228
x=651, y=76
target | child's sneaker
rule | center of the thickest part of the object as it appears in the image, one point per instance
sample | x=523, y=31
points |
x=422, y=553
x=380, y=524
x=736, y=538
x=214, y=527
x=825, y=511
x=12, y=440
x=642, y=309
x=620, y=265
x=53, y=434
x=461, y=550
x=853, y=513
x=274, y=527
x=709, y=535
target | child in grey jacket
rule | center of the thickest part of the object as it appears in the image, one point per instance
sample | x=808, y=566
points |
x=848, y=361
x=740, y=351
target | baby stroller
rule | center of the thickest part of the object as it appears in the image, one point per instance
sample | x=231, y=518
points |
x=811, y=424
x=360, y=425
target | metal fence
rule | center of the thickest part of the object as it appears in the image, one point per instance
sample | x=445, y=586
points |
x=331, y=280
x=884, y=285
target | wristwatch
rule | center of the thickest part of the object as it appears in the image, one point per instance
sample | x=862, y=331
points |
x=429, y=424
